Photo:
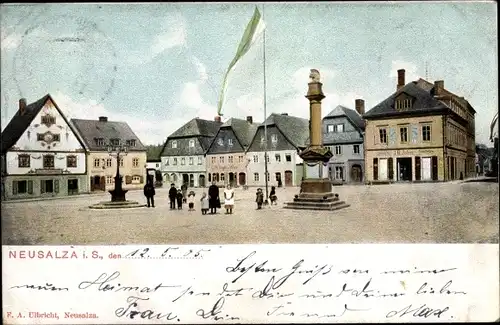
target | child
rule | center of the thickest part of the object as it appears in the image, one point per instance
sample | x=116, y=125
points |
x=260, y=198
x=179, y=199
x=272, y=196
x=204, y=203
x=190, y=200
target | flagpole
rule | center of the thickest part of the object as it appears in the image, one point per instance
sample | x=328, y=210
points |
x=265, y=111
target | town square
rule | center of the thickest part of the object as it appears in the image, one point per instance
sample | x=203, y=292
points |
x=109, y=127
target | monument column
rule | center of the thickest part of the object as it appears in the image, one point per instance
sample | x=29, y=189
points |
x=316, y=187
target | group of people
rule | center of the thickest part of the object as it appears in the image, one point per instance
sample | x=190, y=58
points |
x=212, y=201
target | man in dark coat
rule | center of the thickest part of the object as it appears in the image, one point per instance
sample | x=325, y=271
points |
x=149, y=192
x=172, y=195
x=213, y=198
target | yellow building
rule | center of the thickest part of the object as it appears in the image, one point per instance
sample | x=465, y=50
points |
x=422, y=132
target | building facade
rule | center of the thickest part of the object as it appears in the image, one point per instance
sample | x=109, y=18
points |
x=343, y=134
x=183, y=158
x=226, y=157
x=286, y=137
x=422, y=132
x=98, y=135
x=42, y=154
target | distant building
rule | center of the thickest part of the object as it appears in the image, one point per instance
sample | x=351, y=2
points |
x=98, y=135
x=343, y=134
x=422, y=132
x=42, y=154
x=226, y=157
x=183, y=155
x=286, y=137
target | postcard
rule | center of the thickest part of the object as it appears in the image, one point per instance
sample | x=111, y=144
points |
x=249, y=162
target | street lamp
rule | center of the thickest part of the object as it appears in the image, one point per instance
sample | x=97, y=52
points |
x=118, y=193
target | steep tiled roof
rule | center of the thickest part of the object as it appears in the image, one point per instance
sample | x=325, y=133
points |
x=19, y=123
x=424, y=101
x=351, y=115
x=196, y=127
x=92, y=129
x=243, y=130
x=295, y=129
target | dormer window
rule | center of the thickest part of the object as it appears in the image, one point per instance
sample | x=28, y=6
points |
x=174, y=144
x=114, y=142
x=338, y=128
x=220, y=142
x=191, y=143
x=329, y=128
x=403, y=104
x=131, y=143
x=99, y=142
x=274, y=138
x=230, y=142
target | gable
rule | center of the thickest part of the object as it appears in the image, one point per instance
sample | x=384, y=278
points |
x=276, y=140
x=225, y=142
x=188, y=146
x=49, y=130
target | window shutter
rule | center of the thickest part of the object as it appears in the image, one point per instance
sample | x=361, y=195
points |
x=42, y=186
x=390, y=167
x=375, y=169
x=417, y=168
x=56, y=185
x=14, y=187
x=30, y=187
x=434, y=168
x=128, y=179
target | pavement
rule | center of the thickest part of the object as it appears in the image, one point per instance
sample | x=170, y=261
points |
x=395, y=213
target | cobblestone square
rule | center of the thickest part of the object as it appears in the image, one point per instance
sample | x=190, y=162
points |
x=398, y=213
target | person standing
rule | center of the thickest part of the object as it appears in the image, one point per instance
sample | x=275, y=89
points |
x=180, y=199
x=272, y=196
x=229, y=199
x=213, y=198
x=204, y=203
x=260, y=198
x=149, y=192
x=184, y=189
x=190, y=200
x=172, y=195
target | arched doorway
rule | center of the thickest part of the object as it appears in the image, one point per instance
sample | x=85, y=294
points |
x=356, y=173
x=185, y=178
x=242, y=179
x=231, y=178
x=201, y=180
x=288, y=178
x=191, y=180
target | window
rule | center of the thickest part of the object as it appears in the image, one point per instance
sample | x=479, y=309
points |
x=382, y=135
x=230, y=142
x=222, y=177
x=256, y=177
x=338, y=150
x=191, y=143
x=426, y=133
x=49, y=186
x=274, y=138
x=403, y=104
x=339, y=128
x=200, y=161
x=339, y=173
x=262, y=139
x=48, y=161
x=174, y=162
x=230, y=159
x=115, y=142
x=131, y=143
x=39, y=136
x=278, y=157
x=71, y=161
x=255, y=158
x=174, y=144
x=403, y=132
x=48, y=120
x=97, y=162
x=355, y=149
x=110, y=179
x=99, y=142
x=23, y=160
x=278, y=176
x=220, y=142
x=240, y=159
x=121, y=162
x=109, y=162
x=22, y=187
x=183, y=161
x=214, y=160
x=135, y=162
x=329, y=128
x=221, y=160
x=288, y=157
x=191, y=160
x=167, y=162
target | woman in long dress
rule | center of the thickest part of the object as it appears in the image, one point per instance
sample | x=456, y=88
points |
x=229, y=199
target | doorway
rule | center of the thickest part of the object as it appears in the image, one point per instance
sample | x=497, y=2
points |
x=426, y=169
x=191, y=180
x=97, y=183
x=382, y=170
x=288, y=178
x=356, y=174
x=72, y=186
x=242, y=179
x=404, y=169
x=201, y=181
x=185, y=179
x=232, y=179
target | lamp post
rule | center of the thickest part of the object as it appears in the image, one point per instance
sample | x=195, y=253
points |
x=118, y=193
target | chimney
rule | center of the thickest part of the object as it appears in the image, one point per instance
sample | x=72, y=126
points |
x=401, y=78
x=103, y=118
x=217, y=119
x=22, y=106
x=249, y=119
x=360, y=106
x=286, y=114
x=438, y=87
